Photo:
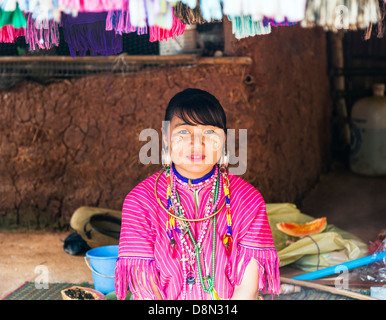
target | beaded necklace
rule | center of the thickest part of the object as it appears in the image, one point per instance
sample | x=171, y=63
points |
x=194, y=254
x=182, y=226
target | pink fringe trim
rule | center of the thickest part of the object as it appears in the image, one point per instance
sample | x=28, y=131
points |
x=159, y=34
x=129, y=274
x=268, y=264
x=9, y=34
x=42, y=35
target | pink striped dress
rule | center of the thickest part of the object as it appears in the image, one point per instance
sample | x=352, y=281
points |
x=144, y=250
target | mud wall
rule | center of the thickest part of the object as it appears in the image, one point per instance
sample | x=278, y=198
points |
x=75, y=142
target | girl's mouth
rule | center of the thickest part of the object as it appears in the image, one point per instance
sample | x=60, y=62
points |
x=196, y=157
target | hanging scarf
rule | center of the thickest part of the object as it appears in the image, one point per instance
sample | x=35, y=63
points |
x=379, y=29
x=190, y=15
x=41, y=34
x=211, y=9
x=274, y=23
x=87, y=32
x=14, y=18
x=126, y=21
x=245, y=26
x=359, y=14
x=119, y=21
x=92, y=5
x=278, y=10
x=41, y=10
x=160, y=34
x=9, y=34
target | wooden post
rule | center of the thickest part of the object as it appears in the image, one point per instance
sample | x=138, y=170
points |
x=337, y=61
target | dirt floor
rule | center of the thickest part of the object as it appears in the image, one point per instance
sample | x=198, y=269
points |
x=353, y=203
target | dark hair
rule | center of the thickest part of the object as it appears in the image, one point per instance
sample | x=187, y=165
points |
x=195, y=106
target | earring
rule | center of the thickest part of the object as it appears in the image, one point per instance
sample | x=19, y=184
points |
x=224, y=160
x=165, y=157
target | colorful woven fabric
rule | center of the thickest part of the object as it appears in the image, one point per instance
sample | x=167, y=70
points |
x=31, y=291
x=87, y=33
x=277, y=10
x=92, y=5
x=42, y=34
x=120, y=21
x=245, y=26
x=341, y=14
x=9, y=34
x=160, y=34
x=145, y=257
x=14, y=18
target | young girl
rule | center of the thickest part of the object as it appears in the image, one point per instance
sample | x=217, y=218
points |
x=192, y=230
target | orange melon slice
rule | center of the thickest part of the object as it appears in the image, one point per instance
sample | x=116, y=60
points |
x=303, y=229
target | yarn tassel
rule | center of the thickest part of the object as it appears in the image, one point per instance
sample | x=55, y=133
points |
x=215, y=295
x=228, y=243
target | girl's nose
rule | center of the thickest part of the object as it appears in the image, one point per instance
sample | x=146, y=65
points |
x=198, y=142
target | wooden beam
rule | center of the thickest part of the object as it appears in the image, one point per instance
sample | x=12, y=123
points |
x=132, y=59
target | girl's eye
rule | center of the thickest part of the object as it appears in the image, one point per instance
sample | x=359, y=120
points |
x=183, y=131
x=209, y=131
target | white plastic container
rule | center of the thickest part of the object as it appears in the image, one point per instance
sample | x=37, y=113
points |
x=368, y=134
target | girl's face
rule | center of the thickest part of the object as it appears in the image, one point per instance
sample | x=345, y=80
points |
x=194, y=149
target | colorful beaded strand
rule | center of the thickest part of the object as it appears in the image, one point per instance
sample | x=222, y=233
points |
x=174, y=205
x=227, y=237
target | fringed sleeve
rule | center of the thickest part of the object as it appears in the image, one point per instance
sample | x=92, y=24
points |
x=137, y=276
x=136, y=267
x=268, y=268
x=255, y=242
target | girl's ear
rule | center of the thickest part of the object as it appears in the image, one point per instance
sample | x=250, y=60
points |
x=165, y=133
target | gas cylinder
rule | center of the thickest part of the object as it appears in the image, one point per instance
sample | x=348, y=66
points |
x=368, y=134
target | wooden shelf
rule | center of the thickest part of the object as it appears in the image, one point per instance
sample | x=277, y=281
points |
x=153, y=59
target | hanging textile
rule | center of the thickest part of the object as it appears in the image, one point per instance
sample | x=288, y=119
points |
x=14, y=17
x=211, y=9
x=341, y=14
x=120, y=22
x=160, y=34
x=41, y=10
x=87, y=32
x=379, y=29
x=277, y=10
x=8, y=5
x=156, y=22
x=41, y=34
x=273, y=23
x=92, y=5
x=190, y=15
x=245, y=26
x=9, y=34
x=159, y=13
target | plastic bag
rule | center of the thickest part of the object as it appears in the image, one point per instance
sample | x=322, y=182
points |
x=330, y=247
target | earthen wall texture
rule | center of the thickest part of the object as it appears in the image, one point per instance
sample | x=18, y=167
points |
x=75, y=142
